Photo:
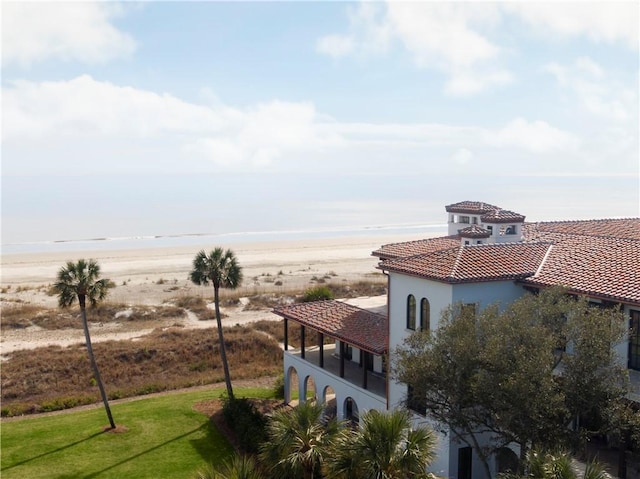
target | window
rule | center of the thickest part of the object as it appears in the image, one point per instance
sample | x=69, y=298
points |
x=425, y=315
x=479, y=242
x=464, y=219
x=466, y=242
x=634, y=340
x=411, y=312
x=490, y=229
x=511, y=230
x=475, y=220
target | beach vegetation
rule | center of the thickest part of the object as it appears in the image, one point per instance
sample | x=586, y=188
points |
x=81, y=281
x=221, y=269
x=54, y=377
x=317, y=294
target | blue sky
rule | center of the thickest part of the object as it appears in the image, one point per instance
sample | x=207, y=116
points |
x=124, y=119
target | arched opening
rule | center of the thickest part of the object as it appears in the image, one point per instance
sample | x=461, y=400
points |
x=351, y=413
x=310, y=389
x=411, y=312
x=292, y=385
x=425, y=315
x=329, y=401
x=506, y=461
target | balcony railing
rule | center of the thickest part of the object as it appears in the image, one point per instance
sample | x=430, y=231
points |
x=353, y=373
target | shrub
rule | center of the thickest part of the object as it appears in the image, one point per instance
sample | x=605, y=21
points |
x=278, y=387
x=317, y=294
x=246, y=422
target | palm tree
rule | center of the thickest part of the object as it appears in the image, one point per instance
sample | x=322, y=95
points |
x=384, y=447
x=298, y=440
x=239, y=467
x=556, y=466
x=80, y=280
x=221, y=269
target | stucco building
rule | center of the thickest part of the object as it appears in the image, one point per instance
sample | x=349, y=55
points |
x=489, y=255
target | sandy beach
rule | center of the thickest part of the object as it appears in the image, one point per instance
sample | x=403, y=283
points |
x=153, y=276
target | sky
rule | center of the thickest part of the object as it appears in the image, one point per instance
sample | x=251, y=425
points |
x=159, y=118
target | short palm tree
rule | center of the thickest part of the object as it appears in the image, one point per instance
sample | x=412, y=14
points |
x=384, y=447
x=298, y=440
x=239, y=467
x=81, y=281
x=221, y=268
x=559, y=465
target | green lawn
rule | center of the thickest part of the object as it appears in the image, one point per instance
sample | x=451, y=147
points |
x=166, y=438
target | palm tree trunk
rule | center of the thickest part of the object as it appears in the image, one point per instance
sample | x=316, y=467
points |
x=223, y=352
x=94, y=365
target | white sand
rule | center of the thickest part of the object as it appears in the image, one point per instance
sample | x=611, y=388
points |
x=152, y=276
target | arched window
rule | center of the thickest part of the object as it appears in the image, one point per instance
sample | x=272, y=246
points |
x=411, y=312
x=425, y=315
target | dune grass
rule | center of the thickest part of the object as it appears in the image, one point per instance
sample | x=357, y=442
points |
x=164, y=437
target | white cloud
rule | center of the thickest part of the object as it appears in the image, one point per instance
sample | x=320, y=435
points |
x=81, y=31
x=537, y=137
x=455, y=37
x=597, y=93
x=369, y=33
x=441, y=36
x=84, y=109
x=462, y=156
x=607, y=22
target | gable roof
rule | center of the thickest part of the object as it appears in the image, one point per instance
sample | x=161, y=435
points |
x=598, y=258
x=470, y=207
x=362, y=328
x=474, y=231
x=473, y=263
x=410, y=248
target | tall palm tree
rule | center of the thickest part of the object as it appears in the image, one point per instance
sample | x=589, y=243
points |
x=298, y=440
x=384, y=447
x=221, y=268
x=81, y=281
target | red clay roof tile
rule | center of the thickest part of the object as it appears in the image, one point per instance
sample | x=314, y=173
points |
x=491, y=262
x=359, y=327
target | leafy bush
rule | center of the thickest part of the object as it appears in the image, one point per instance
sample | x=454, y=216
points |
x=317, y=294
x=246, y=422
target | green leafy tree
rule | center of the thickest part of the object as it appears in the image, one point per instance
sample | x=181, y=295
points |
x=221, y=269
x=298, y=440
x=80, y=280
x=496, y=372
x=384, y=447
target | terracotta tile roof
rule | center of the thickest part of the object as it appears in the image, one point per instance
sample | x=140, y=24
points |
x=615, y=228
x=490, y=262
x=470, y=207
x=600, y=258
x=594, y=266
x=410, y=248
x=474, y=231
x=502, y=216
x=362, y=328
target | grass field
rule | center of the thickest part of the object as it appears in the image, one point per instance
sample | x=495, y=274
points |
x=165, y=438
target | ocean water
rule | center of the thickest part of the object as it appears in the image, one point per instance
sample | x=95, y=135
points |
x=144, y=242
x=68, y=213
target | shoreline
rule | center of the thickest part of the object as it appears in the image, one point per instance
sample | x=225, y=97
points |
x=350, y=255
